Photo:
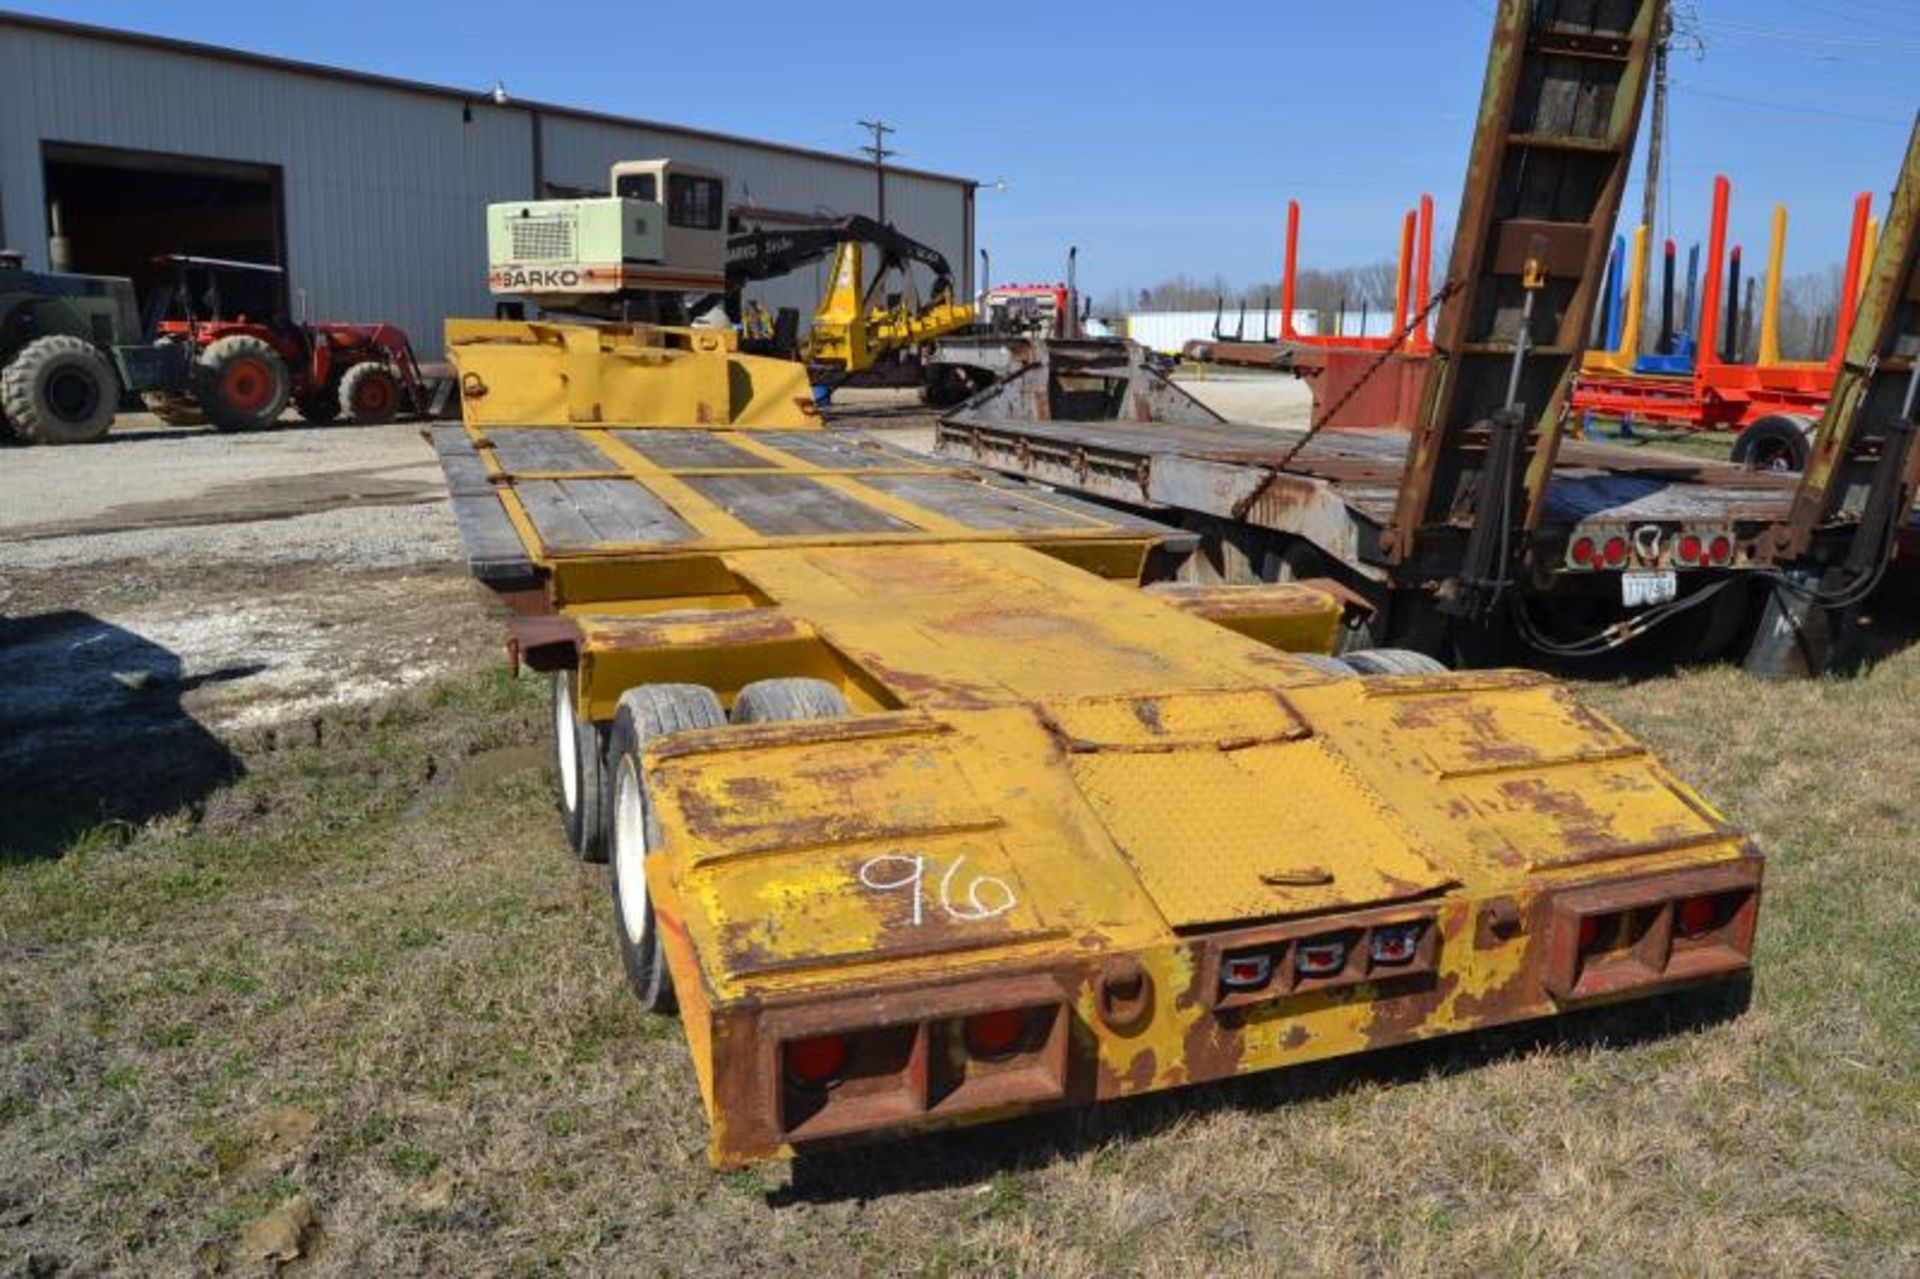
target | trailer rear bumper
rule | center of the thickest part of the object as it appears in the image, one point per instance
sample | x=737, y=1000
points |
x=785, y=1074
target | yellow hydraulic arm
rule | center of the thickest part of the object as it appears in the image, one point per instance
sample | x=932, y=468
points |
x=854, y=328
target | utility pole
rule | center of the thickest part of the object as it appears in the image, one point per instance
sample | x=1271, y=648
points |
x=1686, y=25
x=879, y=150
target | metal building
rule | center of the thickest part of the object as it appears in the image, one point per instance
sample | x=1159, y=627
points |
x=370, y=191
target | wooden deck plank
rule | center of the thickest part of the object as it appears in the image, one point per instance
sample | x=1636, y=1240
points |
x=531, y=448
x=689, y=450
x=977, y=505
x=792, y=505
x=579, y=515
x=493, y=545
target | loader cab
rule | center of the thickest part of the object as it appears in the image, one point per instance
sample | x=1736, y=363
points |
x=695, y=204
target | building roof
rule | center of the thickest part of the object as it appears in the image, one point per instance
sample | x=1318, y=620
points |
x=242, y=57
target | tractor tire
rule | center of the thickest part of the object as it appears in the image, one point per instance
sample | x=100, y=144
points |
x=633, y=828
x=59, y=390
x=771, y=701
x=319, y=407
x=1778, y=442
x=242, y=383
x=580, y=772
x=174, y=410
x=369, y=394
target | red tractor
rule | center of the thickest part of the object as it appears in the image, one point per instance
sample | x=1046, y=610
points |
x=245, y=372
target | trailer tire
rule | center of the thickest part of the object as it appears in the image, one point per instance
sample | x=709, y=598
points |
x=242, y=383
x=770, y=701
x=1777, y=442
x=633, y=828
x=1327, y=665
x=579, y=772
x=369, y=394
x=59, y=390
x=1393, y=661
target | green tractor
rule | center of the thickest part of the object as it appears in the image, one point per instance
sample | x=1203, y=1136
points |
x=70, y=350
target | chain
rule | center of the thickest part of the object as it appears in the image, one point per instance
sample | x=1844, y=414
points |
x=1245, y=504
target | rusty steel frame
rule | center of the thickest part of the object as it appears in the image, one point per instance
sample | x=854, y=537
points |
x=1871, y=386
x=1580, y=139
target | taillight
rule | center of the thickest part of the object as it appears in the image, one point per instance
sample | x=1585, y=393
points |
x=1246, y=972
x=1320, y=958
x=816, y=1062
x=1616, y=551
x=990, y=1036
x=1584, y=552
x=1396, y=943
x=1697, y=916
x=1721, y=549
x=1690, y=548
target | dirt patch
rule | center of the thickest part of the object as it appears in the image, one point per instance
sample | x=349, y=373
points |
x=272, y=498
x=125, y=684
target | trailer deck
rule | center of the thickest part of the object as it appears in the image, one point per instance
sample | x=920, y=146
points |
x=1036, y=830
x=1347, y=482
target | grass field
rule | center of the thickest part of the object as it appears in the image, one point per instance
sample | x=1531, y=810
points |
x=365, y=1007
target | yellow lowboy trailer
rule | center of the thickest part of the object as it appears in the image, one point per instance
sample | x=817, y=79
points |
x=928, y=812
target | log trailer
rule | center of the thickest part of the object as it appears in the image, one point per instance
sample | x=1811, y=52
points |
x=933, y=797
x=1773, y=403
x=1483, y=525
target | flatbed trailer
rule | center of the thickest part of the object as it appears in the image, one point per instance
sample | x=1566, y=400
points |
x=931, y=802
x=1274, y=503
x=1482, y=523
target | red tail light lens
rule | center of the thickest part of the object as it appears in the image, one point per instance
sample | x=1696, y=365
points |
x=995, y=1034
x=1698, y=916
x=1395, y=944
x=1616, y=551
x=1690, y=549
x=1584, y=552
x=1246, y=972
x=1721, y=549
x=1320, y=958
x=817, y=1062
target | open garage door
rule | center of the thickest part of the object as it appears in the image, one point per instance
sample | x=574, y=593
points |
x=120, y=209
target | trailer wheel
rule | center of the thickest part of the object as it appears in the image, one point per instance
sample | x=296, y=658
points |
x=59, y=390
x=580, y=772
x=1779, y=442
x=1327, y=665
x=369, y=394
x=1392, y=661
x=241, y=383
x=647, y=712
x=770, y=701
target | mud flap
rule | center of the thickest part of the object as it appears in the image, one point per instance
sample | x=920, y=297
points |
x=1797, y=635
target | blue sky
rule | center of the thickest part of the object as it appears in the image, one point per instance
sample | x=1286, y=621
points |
x=1159, y=140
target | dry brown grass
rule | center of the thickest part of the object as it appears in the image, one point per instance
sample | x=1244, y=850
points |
x=381, y=931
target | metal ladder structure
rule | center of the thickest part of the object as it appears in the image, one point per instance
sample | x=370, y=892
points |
x=1865, y=468
x=1558, y=118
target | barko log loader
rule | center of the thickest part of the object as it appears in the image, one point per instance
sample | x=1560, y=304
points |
x=931, y=800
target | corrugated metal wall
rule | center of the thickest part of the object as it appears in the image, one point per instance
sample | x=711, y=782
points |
x=385, y=189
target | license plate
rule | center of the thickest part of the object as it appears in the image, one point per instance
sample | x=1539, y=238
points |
x=1640, y=590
